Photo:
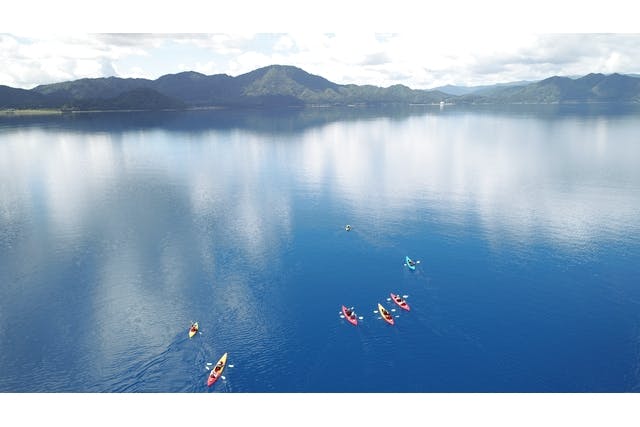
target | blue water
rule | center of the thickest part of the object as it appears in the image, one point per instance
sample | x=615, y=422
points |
x=118, y=230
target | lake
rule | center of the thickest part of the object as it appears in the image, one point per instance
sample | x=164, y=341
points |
x=117, y=230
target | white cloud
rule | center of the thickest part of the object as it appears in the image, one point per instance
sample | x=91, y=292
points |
x=134, y=72
x=284, y=43
x=222, y=44
x=32, y=60
x=209, y=67
x=249, y=61
x=416, y=59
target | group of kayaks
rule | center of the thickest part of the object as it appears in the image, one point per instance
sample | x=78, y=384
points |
x=216, y=371
x=350, y=314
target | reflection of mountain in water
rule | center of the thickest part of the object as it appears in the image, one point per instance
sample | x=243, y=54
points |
x=292, y=120
x=259, y=120
x=550, y=111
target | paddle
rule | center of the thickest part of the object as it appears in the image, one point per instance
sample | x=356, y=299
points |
x=209, y=364
x=359, y=317
x=221, y=376
x=352, y=311
x=376, y=311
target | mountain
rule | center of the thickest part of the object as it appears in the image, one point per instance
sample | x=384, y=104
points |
x=196, y=89
x=20, y=98
x=86, y=89
x=589, y=88
x=465, y=90
x=310, y=89
x=288, y=86
x=283, y=80
x=135, y=99
x=272, y=86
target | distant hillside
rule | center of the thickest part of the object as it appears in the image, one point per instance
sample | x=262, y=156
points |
x=84, y=89
x=590, y=88
x=275, y=85
x=136, y=99
x=287, y=86
x=21, y=98
x=198, y=90
x=465, y=90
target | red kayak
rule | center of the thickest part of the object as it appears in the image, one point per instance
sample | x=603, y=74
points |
x=351, y=317
x=216, y=371
x=400, y=301
x=385, y=314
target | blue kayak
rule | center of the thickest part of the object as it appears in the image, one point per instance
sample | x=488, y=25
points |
x=410, y=263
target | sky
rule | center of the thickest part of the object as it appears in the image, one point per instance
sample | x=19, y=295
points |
x=459, y=44
x=380, y=59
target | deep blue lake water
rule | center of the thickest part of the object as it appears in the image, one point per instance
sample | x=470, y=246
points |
x=119, y=229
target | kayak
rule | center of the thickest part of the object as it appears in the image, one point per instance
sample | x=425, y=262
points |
x=347, y=227
x=400, y=301
x=216, y=371
x=353, y=319
x=385, y=314
x=193, y=330
x=410, y=263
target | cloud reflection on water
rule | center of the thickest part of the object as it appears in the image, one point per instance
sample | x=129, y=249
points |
x=571, y=181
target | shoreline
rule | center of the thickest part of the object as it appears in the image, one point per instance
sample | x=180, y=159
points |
x=57, y=111
x=30, y=112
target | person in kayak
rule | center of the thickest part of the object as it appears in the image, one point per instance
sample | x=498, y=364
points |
x=350, y=313
x=348, y=227
x=216, y=369
x=399, y=299
x=386, y=314
x=412, y=262
x=194, y=327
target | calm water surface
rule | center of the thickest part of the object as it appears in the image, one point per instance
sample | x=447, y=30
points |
x=117, y=230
